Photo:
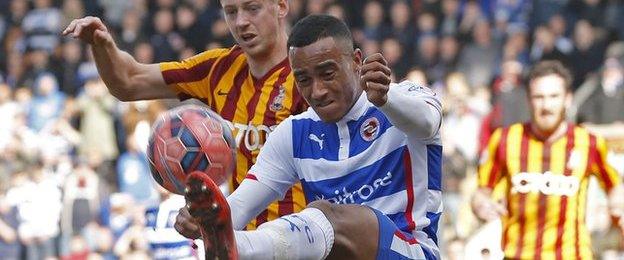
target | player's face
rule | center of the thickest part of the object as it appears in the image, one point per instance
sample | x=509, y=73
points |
x=254, y=23
x=327, y=77
x=548, y=98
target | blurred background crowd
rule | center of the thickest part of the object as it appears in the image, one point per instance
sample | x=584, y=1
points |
x=74, y=180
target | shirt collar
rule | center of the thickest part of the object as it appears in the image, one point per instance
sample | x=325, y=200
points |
x=357, y=110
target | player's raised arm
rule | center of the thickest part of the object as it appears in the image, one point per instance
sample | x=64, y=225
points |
x=413, y=109
x=125, y=78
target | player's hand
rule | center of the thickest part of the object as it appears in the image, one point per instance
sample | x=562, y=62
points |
x=487, y=209
x=375, y=79
x=89, y=29
x=186, y=225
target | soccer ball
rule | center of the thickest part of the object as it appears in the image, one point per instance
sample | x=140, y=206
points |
x=187, y=139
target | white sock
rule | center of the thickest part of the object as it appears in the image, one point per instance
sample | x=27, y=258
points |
x=304, y=235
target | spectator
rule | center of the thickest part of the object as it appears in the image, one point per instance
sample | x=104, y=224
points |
x=588, y=53
x=9, y=243
x=478, y=60
x=47, y=104
x=134, y=174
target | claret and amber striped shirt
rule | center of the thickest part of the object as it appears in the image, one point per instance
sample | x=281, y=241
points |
x=547, y=189
x=221, y=79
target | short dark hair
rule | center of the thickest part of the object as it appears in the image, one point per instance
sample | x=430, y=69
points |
x=315, y=27
x=548, y=67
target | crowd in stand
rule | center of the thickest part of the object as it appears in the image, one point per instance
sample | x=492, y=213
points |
x=74, y=180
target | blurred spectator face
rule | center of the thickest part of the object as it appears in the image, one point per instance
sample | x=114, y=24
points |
x=295, y=9
x=370, y=47
x=557, y=25
x=428, y=47
x=23, y=95
x=472, y=11
x=373, y=14
x=400, y=14
x=255, y=24
x=185, y=17
x=612, y=74
x=545, y=38
x=449, y=48
x=391, y=50
x=165, y=3
x=417, y=76
x=481, y=34
x=38, y=59
x=187, y=53
x=19, y=8
x=583, y=35
x=163, y=21
x=42, y=3
x=47, y=85
x=426, y=22
x=144, y=53
x=72, y=51
x=457, y=86
x=315, y=6
x=547, y=101
x=337, y=11
x=511, y=69
x=450, y=7
x=220, y=29
x=73, y=8
x=131, y=21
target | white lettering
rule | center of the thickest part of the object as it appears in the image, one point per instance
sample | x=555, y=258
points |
x=546, y=183
x=344, y=196
x=252, y=136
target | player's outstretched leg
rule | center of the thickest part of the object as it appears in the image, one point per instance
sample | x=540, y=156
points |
x=208, y=206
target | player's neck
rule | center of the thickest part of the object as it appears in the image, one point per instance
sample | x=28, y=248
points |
x=550, y=136
x=260, y=65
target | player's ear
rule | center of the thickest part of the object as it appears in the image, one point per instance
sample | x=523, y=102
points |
x=282, y=8
x=357, y=60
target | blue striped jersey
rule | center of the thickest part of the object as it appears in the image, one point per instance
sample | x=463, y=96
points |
x=164, y=241
x=361, y=159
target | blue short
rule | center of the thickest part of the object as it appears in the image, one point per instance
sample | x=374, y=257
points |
x=396, y=244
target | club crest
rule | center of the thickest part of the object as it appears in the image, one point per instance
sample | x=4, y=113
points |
x=369, y=129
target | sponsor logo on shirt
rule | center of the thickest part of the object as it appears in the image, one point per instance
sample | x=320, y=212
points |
x=546, y=183
x=345, y=196
x=316, y=139
x=251, y=136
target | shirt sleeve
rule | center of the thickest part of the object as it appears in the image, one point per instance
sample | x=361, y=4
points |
x=607, y=176
x=415, y=110
x=491, y=165
x=189, y=77
x=274, y=166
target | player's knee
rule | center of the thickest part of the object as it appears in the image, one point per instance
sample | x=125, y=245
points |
x=355, y=227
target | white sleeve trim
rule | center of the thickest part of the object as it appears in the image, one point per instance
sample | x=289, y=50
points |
x=413, y=109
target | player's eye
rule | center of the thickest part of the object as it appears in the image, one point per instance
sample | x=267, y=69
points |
x=253, y=8
x=230, y=11
x=329, y=74
x=303, y=81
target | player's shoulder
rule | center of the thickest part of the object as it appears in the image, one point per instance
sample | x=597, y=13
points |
x=219, y=53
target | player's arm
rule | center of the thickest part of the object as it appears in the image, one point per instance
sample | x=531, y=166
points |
x=268, y=179
x=125, y=78
x=413, y=109
x=609, y=179
x=608, y=131
x=491, y=171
